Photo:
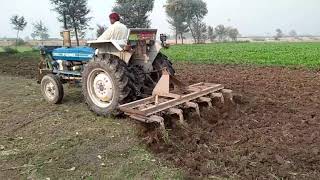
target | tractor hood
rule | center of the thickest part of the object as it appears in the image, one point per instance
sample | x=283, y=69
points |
x=73, y=53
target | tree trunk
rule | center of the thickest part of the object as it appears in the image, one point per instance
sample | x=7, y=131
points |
x=76, y=32
x=193, y=35
x=176, y=36
x=181, y=37
x=17, y=39
x=77, y=38
x=198, y=30
x=192, y=32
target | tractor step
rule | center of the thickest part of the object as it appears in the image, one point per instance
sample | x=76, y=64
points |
x=167, y=100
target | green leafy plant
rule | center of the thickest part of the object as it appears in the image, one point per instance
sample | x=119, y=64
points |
x=10, y=50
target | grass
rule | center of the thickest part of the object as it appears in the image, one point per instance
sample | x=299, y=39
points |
x=25, y=53
x=295, y=54
x=67, y=141
x=24, y=48
x=20, y=48
x=270, y=54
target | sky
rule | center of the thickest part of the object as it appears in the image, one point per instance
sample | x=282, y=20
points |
x=251, y=17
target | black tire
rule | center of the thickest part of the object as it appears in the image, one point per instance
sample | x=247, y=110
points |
x=52, y=89
x=117, y=72
x=161, y=61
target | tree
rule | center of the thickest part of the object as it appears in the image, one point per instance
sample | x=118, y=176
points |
x=221, y=32
x=195, y=10
x=40, y=31
x=134, y=13
x=100, y=30
x=211, y=34
x=73, y=14
x=19, y=23
x=187, y=15
x=176, y=12
x=293, y=33
x=279, y=34
x=199, y=32
x=233, y=33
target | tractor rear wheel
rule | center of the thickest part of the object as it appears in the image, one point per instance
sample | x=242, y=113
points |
x=161, y=61
x=105, y=86
x=52, y=89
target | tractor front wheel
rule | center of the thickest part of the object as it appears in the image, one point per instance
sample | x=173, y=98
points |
x=105, y=86
x=52, y=89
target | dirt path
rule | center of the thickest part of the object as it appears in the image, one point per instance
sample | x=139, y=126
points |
x=67, y=141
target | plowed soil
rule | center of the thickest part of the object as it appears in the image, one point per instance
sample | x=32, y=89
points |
x=271, y=133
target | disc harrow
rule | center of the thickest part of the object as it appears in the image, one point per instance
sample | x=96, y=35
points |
x=171, y=97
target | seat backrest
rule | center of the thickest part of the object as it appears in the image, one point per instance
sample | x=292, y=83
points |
x=140, y=34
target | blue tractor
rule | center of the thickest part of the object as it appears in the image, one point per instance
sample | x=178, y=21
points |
x=111, y=72
x=131, y=77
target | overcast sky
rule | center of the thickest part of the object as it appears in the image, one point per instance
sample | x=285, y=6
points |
x=251, y=17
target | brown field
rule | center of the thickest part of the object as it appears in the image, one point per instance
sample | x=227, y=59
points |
x=271, y=133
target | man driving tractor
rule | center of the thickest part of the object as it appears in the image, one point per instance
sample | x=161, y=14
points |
x=117, y=30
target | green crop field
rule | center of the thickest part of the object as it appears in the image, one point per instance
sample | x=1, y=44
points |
x=19, y=48
x=280, y=54
x=300, y=54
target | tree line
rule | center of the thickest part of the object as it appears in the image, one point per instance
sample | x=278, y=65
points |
x=184, y=17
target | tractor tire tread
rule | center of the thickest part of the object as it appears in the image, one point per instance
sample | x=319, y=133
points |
x=119, y=71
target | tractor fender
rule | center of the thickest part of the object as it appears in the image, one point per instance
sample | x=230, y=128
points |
x=154, y=51
x=114, y=47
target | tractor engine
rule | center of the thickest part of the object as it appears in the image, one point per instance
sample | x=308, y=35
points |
x=71, y=59
x=63, y=65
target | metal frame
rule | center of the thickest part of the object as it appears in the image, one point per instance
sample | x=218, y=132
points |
x=168, y=100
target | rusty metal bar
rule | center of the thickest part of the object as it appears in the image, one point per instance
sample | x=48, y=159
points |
x=175, y=102
x=138, y=103
x=131, y=111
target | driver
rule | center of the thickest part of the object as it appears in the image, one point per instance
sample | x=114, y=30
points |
x=117, y=30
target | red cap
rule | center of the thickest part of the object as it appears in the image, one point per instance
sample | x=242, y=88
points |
x=114, y=16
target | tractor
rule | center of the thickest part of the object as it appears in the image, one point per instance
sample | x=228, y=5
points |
x=130, y=77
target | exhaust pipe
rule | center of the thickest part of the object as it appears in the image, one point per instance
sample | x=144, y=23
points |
x=66, y=38
x=66, y=33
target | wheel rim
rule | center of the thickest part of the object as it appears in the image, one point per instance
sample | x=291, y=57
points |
x=100, y=88
x=50, y=90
